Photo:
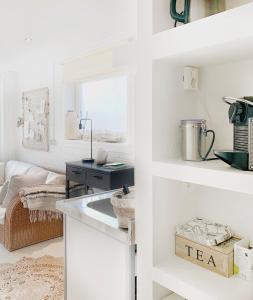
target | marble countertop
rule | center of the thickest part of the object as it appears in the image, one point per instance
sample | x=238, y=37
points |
x=77, y=209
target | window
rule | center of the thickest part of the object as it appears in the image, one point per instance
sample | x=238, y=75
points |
x=105, y=102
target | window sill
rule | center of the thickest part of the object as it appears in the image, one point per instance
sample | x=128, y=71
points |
x=110, y=147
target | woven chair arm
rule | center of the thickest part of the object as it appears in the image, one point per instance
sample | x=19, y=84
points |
x=19, y=232
x=14, y=208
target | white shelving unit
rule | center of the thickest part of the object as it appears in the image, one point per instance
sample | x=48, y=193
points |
x=214, y=174
x=218, y=38
x=181, y=276
x=170, y=191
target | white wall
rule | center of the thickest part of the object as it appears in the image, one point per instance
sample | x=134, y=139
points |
x=104, y=25
x=8, y=113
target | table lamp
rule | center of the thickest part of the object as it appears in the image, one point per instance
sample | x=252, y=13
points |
x=83, y=126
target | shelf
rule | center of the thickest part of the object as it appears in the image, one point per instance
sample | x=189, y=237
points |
x=193, y=282
x=208, y=173
x=219, y=38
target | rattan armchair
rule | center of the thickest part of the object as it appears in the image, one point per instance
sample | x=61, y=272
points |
x=18, y=232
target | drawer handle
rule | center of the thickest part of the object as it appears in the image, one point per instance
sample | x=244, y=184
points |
x=98, y=177
x=76, y=172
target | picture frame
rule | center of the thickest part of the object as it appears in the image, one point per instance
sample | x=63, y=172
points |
x=35, y=105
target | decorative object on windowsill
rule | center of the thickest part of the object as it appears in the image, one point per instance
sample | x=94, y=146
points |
x=243, y=259
x=193, y=140
x=101, y=156
x=241, y=116
x=71, y=126
x=205, y=232
x=35, y=119
x=218, y=259
x=105, y=136
x=123, y=203
x=82, y=126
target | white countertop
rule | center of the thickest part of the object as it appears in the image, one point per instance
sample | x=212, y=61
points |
x=77, y=208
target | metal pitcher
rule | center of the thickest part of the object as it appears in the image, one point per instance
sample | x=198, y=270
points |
x=193, y=139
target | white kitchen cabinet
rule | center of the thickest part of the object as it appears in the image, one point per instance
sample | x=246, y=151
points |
x=100, y=257
x=98, y=266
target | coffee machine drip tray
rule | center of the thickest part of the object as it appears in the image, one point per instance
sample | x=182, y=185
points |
x=236, y=159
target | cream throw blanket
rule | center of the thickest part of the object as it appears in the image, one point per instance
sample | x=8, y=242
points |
x=41, y=201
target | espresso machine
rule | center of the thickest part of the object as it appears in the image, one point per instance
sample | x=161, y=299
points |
x=240, y=114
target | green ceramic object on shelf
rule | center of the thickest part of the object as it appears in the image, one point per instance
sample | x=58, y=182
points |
x=182, y=17
x=195, y=9
x=236, y=159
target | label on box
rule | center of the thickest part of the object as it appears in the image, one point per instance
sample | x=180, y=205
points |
x=219, y=259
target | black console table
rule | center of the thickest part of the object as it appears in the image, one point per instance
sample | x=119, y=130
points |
x=91, y=175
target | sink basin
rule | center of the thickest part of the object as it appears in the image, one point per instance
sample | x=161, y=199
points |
x=103, y=206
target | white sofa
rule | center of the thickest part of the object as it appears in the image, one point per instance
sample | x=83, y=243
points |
x=16, y=230
x=14, y=167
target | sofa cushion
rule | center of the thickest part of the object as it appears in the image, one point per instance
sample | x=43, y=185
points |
x=54, y=178
x=19, y=181
x=3, y=191
x=14, y=167
x=37, y=171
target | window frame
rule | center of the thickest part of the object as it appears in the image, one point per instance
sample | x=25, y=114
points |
x=126, y=146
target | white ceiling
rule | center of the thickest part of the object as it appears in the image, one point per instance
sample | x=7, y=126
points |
x=62, y=28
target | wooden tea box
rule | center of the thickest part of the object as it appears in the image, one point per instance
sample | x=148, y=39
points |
x=219, y=259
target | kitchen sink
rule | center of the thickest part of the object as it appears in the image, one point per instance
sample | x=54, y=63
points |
x=103, y=206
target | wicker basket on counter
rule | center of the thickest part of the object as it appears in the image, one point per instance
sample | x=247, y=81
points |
x=124, y=207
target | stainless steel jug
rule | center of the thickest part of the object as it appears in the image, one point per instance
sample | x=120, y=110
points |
x=193, y=139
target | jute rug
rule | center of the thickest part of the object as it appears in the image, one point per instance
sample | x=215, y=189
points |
x=32, y=279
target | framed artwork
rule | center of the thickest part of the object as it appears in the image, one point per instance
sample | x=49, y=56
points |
x=36, y=119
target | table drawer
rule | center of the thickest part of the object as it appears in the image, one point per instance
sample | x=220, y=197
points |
x=76, y=174
x=99, y=180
